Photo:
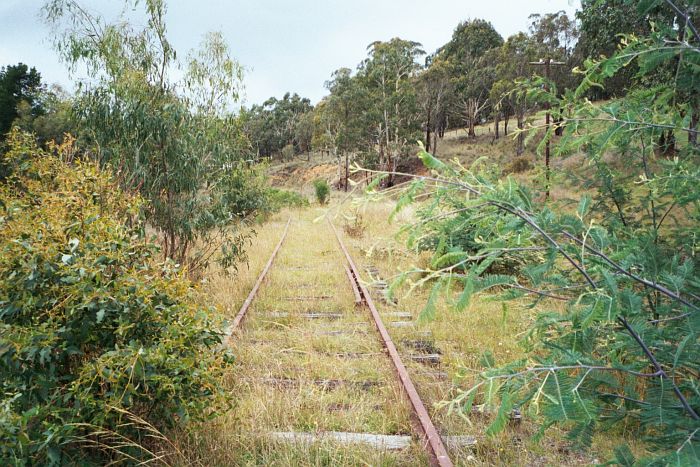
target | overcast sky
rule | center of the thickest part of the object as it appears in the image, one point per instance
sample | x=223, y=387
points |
x=285, y=45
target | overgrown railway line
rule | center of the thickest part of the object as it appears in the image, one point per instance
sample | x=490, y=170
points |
x=313, y=311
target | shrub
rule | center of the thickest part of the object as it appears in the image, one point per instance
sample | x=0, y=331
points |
x=322, y=191
x=518, y=165
x=619, y=349
x=94, y=333
x=278, y=199
x=288, y=152
x=355, y=227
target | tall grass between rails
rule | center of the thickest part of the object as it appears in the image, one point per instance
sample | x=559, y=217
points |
x=281, y=358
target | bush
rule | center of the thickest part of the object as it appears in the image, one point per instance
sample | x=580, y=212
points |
x=279, y=199
x=288, y=152
x=615, y=345
x=518, y=165
x=355, y=227
x=94, y=332
x=322, y=191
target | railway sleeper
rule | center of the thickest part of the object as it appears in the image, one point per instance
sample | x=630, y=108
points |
x=346, y=406
x=317, y=315
x=398, y=315
x=402, y=324
x=421, y=345
x=325, y=384
x=430, y=359
x=378, y=441
x=341, y=332
x=308, y=298
x=347, y=355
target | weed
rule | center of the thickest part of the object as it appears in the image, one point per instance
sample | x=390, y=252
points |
x=322, y=191
x=355, y=227
x=518, y=165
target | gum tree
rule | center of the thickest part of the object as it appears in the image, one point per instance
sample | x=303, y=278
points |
x=173, y=141
x=388, y=75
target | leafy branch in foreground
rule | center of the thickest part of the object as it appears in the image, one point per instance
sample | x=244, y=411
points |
x=625, y=349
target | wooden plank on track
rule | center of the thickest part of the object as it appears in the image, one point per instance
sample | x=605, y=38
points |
x=388, y=442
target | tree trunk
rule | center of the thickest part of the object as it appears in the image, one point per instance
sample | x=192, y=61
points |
x=520, y=145
x=667, y=143
x=693, y=133
x=339, y=160
x=346, y=172
x=496, y=124
x=506, y=118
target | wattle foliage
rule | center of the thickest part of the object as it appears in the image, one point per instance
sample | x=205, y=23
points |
x=95, y=333
x=621, y=350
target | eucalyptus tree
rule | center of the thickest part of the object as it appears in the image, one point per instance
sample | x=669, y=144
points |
x=303, y=132
x=388, y=76
x=473, y=72
x=513, y=65
x=173, y=140
x=272, y=125
x=502, y=105
x=555, y=36
x=54, y=122
x=602, y=24
x=435, y=96
x=344, y=119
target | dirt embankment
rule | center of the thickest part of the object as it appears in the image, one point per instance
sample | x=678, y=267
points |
x=301, y=173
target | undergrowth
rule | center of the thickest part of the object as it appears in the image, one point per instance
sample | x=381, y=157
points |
x=102, y=347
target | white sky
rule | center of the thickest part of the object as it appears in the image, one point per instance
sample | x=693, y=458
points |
x=285, y=45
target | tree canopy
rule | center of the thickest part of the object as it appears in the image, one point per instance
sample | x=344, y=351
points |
x=19, y=85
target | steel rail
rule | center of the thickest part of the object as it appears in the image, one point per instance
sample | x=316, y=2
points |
x=251, y=296
x=353, y=282
x=437, y=450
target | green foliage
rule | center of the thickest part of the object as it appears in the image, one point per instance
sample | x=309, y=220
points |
x=173, y=141
x=342, y=117
x=602, y=23
x=279, y=126
x=375, y=111
x=322, y=191
x=621, y=349
x=288, y=152
x=471, y=40
x=279, y=199
x=470, y=55
x=19, y=85
x=100, y=344
x=55, y=121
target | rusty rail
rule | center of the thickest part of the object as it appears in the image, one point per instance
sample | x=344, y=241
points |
x=353, y=282
x=251, y=296
x=434, y=443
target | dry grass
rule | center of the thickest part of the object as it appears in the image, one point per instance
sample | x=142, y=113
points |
x=284, y=358
x=292, y=373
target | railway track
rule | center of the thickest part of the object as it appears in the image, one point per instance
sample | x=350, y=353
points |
x=307, y=336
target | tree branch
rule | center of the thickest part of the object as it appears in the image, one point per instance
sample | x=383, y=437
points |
x=659, y=370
